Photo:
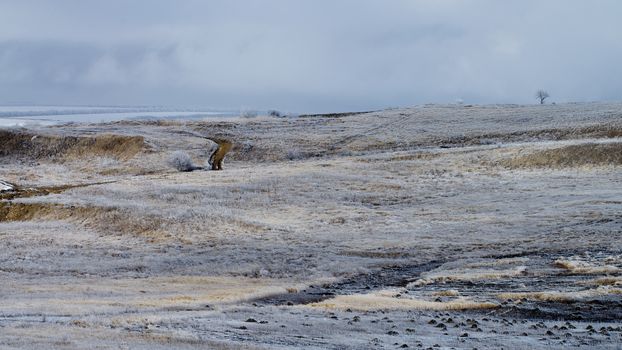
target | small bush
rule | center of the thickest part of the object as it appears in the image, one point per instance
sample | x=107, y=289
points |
x=294, y=154
x=275, y=113
x=181, y=161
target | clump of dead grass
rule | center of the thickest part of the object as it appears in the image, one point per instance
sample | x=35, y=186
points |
x=584, y=268
x=378, y=301
x=558, y=296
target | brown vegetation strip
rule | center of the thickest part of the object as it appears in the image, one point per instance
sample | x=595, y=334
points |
x=24, y=192
x=112, y=220
x=570, y=156
x=25, y=211
x=25, y=145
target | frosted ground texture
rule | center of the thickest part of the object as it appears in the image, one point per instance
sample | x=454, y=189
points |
x=428, y=227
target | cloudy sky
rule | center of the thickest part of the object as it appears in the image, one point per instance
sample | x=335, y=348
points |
x=308, y=55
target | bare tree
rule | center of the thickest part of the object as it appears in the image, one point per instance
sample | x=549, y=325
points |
x=542, y=95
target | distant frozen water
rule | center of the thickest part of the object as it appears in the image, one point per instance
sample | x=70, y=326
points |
x=19, y=116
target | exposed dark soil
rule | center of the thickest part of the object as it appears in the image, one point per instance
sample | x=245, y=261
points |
x=333, y=115
x=389, y=276
x=600, y=309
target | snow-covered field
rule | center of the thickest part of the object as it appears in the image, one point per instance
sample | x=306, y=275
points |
x=428, y=227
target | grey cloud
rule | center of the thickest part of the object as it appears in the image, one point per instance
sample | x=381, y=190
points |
x=308, y=55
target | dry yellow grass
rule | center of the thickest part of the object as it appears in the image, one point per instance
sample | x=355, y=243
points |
x=380, y=301
x=108, y=294
x=122, y=147
x=605, y=281
x=570, y=156
x=467, y=275
x=26, y=145
x=561, y=296
x=584, y=268
x=22, y=211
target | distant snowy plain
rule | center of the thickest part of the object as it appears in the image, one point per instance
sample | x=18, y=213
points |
x=21, y=116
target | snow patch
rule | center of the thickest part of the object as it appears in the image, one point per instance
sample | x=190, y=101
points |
x=5, y=186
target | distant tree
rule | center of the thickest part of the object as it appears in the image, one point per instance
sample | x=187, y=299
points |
x=542, y=95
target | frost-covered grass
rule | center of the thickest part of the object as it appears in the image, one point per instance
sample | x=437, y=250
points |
x=142, y=245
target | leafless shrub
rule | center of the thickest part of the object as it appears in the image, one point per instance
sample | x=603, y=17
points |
x=181, y=161
x=275, y=113
x=294, y=154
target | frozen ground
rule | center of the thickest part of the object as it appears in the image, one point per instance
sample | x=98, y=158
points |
x=429, y=227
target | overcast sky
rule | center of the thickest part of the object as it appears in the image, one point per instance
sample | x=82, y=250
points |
x=308, y=56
